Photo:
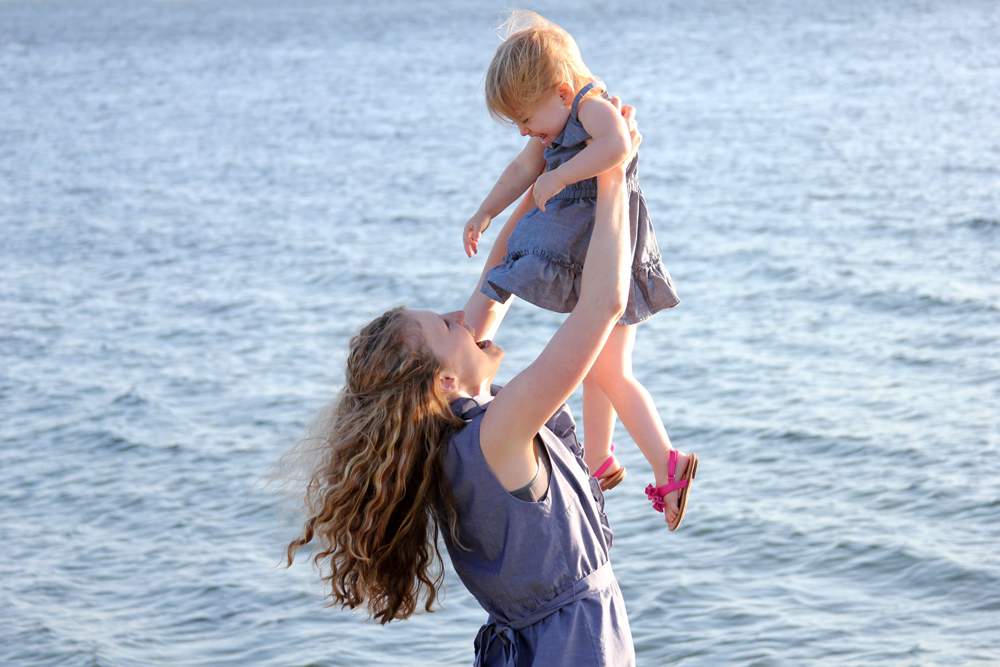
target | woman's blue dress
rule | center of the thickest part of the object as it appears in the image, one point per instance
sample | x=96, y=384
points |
x=539, y=569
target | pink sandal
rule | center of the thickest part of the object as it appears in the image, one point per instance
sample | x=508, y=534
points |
x=610, y=482
x=657, y=494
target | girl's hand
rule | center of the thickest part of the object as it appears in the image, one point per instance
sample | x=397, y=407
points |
x=476, y=225
x=547, y=186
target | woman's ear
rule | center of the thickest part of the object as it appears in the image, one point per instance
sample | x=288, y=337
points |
x=447, y=383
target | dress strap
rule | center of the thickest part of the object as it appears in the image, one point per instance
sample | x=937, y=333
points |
x=580, y=95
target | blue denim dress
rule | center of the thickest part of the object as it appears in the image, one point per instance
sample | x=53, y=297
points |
x=539, y=569
x=546, y=250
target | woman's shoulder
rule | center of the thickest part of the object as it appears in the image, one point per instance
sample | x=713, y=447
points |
x=464, y=436
x=462, y=457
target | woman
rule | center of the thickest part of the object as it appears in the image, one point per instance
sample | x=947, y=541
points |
x=416, y=445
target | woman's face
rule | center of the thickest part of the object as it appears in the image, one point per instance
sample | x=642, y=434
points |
x=470, y=365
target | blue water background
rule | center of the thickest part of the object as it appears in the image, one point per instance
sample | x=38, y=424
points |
x=201, y=201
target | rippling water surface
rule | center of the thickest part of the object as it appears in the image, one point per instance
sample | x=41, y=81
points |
x=200, y=201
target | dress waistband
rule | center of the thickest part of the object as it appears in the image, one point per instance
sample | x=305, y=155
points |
x=583, y=190
x=499, y=629
x=574, y=192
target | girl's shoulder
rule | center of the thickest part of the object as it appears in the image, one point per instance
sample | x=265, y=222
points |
x=594, y=94
x=595, y=88
x=596, y=112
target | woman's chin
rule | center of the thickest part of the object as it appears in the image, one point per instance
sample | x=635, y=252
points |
x=496, y=352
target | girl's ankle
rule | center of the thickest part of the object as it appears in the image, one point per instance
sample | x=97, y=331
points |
x=661, y=472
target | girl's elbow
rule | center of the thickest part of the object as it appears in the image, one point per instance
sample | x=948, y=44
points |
x=620, y=144
x=623, y=147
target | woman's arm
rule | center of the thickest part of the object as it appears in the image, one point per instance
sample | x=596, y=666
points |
x=515, y=179
x=532, y=396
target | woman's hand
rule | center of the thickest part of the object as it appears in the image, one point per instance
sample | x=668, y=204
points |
x=628, y=113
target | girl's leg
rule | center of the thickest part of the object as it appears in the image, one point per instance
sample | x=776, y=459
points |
x=598, y=426
x=613, y=372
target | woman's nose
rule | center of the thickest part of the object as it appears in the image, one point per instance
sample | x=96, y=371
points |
x=456, y=316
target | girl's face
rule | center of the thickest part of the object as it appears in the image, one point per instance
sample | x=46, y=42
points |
x=469, y=367
x=547, y=118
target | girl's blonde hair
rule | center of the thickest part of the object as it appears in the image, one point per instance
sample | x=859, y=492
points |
x=534, y=56
x=377, y=491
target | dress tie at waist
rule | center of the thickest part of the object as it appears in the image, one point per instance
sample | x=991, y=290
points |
x=499, y=630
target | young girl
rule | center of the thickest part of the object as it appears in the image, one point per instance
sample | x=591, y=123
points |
x=538, y=81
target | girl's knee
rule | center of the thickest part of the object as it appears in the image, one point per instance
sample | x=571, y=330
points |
x=610, y=379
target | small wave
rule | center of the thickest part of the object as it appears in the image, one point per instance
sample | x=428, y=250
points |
x=131, y=399
x=775, y=273
x=109, y=442
x=816, y=443
x=912, y=303
x=988, y=226
x=895, y=568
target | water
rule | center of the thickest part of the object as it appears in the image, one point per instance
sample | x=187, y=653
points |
x=200, y=201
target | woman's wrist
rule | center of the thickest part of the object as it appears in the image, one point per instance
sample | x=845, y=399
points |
x=616, y=175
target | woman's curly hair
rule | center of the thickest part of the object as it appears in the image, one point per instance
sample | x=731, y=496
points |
x=376, y=497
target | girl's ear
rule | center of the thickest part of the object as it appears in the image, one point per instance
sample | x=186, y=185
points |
x=566, y=92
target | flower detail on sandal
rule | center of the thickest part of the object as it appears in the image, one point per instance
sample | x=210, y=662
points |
x=682, y=486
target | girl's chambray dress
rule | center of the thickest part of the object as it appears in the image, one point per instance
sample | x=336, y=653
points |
x=546, y=250
x=539, y=569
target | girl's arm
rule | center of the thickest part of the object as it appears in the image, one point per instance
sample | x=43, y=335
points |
x=608, y=146
x=515, y=179
x=481, y=312
x=533, y=395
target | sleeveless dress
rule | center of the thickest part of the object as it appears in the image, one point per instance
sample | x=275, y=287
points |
x=546, y=250
x=539, y=569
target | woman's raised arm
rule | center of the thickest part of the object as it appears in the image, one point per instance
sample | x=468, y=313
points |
x=533, y=395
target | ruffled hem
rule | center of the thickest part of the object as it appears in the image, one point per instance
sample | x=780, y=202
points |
x=652, y=290
x=544, y=281
x=553, y=284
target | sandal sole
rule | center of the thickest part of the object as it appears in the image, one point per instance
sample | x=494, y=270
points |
x=682, y=495
x=610, y=482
